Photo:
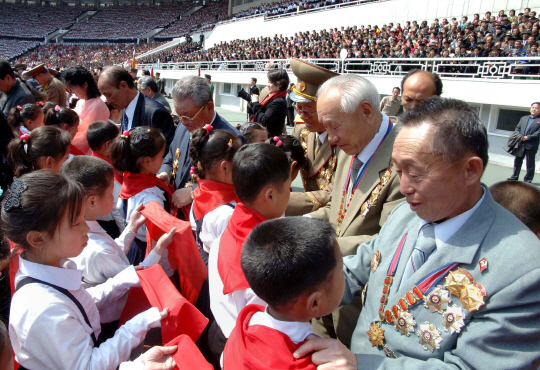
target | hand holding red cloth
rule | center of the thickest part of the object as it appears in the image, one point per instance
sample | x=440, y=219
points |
x=183, y=251
x=188, y=356
x=242, y=221
x=259, y=347
x=158, y=291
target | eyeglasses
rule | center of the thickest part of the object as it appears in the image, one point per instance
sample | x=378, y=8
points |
x=185, y=119
x=307, y=114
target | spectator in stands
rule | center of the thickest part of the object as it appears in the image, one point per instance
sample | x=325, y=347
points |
x=148, y=87
x=418, y=85
x=390, y=104
x=14, y=93
x=55, y=90
x=90, y=107
x=118, y=88
x=272, y=110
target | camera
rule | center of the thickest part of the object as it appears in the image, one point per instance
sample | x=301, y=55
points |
x=244, y=95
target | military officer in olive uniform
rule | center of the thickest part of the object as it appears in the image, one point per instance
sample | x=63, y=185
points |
x=54, y=88
x=321, y=155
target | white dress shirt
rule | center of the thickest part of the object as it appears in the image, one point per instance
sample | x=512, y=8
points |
x=372, y=146
x=130, y=111
x=48, y=331
x=213, y=225
x=144, y=197
x=104, y=258
x=322, y=136
x=444, y=230
x=116, y=214
x=297, y=331
x=226, y=307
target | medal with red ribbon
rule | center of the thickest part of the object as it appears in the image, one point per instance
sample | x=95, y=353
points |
x=398, y=314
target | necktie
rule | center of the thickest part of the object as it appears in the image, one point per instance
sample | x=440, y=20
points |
x=425, y=245
x=319, y=144
x=355, y=168
x=125, y=122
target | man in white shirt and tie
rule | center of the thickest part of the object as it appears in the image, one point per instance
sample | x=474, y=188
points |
x=366, y=186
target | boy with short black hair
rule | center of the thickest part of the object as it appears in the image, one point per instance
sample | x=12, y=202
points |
x=262, y=179
x=99, y=135
x=294, y=264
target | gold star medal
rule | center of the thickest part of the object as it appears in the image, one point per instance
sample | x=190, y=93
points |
x=437, y=300
x=376, y=335
x=453, y=319
x=430, y=336
x=456, y=281
x=472, y=297
x=375, y=261
x=405, y=323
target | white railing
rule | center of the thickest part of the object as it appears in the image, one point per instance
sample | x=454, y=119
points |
x=486, y=68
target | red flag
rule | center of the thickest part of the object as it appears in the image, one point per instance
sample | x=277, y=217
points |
x=188, y=356
x=158, y=291
x=260, y=347
x=152, y=72
x=183, y=251
x=199, y=73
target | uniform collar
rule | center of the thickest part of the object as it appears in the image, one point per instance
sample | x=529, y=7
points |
x=297, y=331
x=64, y=278
x=372, y=146
x=444, y=230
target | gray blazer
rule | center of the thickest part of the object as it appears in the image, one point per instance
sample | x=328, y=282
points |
x=502, y=334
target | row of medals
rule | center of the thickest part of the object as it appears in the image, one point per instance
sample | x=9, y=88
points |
x=459, y=283
x=324, y=176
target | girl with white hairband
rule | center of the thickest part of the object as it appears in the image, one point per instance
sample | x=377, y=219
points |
x=46, y=147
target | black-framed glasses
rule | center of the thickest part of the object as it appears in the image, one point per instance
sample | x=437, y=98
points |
x=307, y=114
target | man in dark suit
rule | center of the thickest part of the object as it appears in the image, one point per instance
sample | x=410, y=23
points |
x=253, y=89
x=529, y=127
x=193, y=102
x=14, y=92
x=118, y=87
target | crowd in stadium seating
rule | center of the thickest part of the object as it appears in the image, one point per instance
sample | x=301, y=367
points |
x=213, y=12
x=34, y=21
x=479, y=37
x=12, y=48
x=286, y=7
x=135, y=21
x=88, y=55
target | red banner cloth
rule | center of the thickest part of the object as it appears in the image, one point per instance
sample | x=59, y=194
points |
x=188, y=356
x=184, y=254
x=259, y=347
x=158, y=291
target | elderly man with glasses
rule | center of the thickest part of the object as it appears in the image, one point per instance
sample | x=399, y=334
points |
x=193, y=102
x=321, y=155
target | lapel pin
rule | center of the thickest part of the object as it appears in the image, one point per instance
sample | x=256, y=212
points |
x=483, y=264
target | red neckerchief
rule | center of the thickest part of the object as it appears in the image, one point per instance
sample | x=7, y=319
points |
x=74, y=150
x=134, y=183
x=210, y=195
x=242, y=221
x=269, y=98
x=260, y=347
x=117, y=177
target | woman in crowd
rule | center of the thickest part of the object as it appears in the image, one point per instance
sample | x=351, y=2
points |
x=90, y=107
x=272, y=110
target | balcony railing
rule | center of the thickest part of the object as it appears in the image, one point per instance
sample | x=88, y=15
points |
x=521, y=68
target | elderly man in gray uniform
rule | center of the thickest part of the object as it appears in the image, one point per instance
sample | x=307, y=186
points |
x=452, y=281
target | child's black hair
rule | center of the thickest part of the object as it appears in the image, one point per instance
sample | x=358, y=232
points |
x=45, y=141
x=99, y=133
x=142, y=141
x=284, y=257
x=248, y=130
x=208, y=150
x=292, y=147
x=16, y=116
x=41, y=206
x=94, y=174
x=258, y=165
x=58, y=116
